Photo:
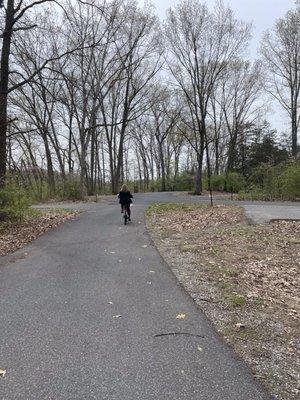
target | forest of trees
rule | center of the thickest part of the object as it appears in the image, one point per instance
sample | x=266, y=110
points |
x=96, y=92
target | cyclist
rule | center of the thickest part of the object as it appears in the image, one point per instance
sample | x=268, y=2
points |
x=125, y=200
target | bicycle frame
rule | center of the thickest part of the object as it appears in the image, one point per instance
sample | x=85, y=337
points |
x=125, y=216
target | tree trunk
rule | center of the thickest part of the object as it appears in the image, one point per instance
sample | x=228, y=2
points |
x=120, y=161
x=176, y=163
x=112, y=169
x=92, y=164
x=217, y=156
x=4, y=73
x=3, y=128
x=162, y=167
x=50, y=172
x=231, y=152
x=103, y=165
x=294, y=134
x=208, y=170
x=83, y=186
x=70, y=160
x=198, y=178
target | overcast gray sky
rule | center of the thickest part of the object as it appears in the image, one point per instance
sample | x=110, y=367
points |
x=262, y=14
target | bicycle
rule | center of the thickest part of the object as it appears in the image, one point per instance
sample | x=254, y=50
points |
x=126, y=216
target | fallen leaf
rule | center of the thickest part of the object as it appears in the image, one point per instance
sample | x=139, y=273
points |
x=180, y=316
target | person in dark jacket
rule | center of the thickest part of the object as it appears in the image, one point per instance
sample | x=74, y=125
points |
x=125, y=199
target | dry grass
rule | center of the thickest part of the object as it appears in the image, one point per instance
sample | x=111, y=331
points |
x=246, y=279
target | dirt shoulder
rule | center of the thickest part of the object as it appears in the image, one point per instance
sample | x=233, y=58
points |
x=244, y=277
x=16, y=234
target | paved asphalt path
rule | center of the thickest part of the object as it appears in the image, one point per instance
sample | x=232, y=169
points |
x=58, y=335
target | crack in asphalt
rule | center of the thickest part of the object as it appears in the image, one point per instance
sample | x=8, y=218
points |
x=179, y=333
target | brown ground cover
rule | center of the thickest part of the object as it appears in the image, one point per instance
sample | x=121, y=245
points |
x=15, y=234
x=245, y=278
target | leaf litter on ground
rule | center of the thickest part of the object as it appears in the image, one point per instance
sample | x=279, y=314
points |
x=249, y=278
x=16, y=234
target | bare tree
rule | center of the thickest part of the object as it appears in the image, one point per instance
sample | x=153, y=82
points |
x=89, y=104
x=17, y=17
x=237, y=94
x=202, y=44
x=165, y=117
x=138, y=47
x=281, y=52
x=15, y=20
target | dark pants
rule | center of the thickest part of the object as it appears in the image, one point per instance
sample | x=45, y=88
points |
x=127, y=208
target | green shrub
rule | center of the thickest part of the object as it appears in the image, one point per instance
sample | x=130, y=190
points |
x=235, y=182
x=269, y=182
x=14, y=202
x=156, y=185
x=68, y=190
x=289, y=182
x=218, y=182
x=183, y=182
x=263, y=176
x=254, y=193
x=39, y=191
x=71, y=190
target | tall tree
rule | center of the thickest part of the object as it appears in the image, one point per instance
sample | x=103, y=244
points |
x=15, y=20
x=17, y=17
x=201, y=45
x=239, y=92
x=281, y=52
x=139, y=50
x=165, y=116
